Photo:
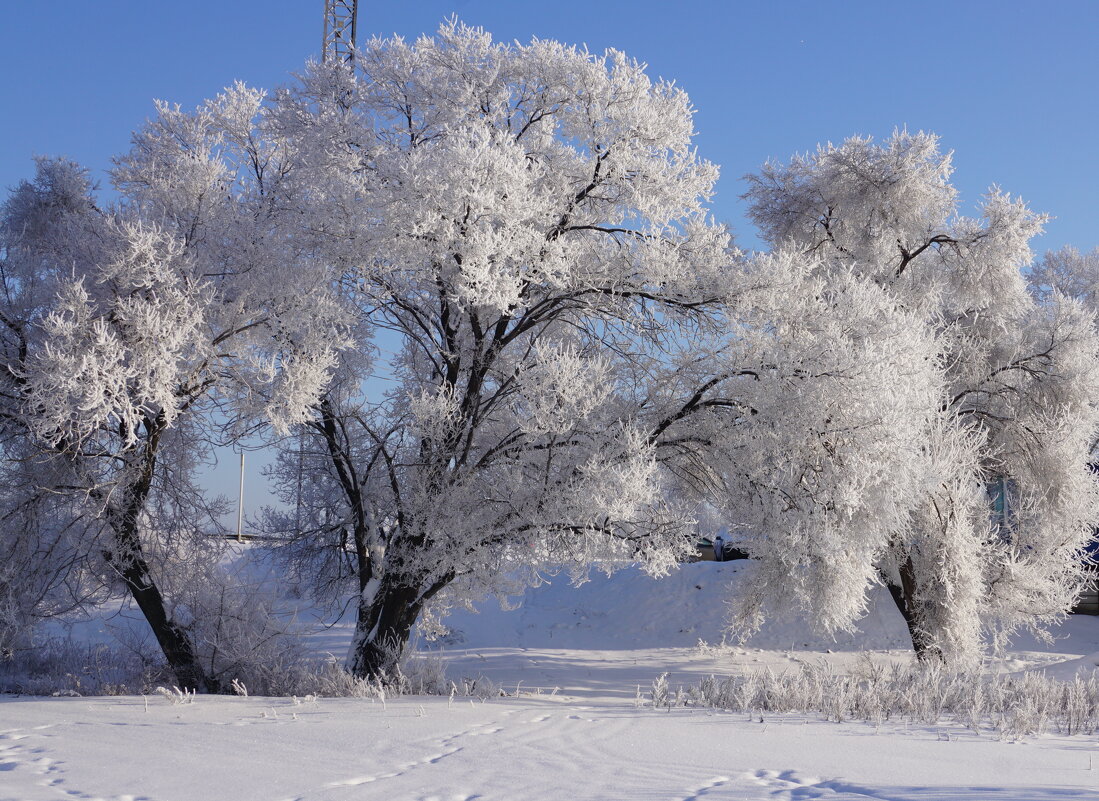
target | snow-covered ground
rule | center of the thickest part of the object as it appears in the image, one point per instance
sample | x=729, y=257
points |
x=573, y=731
x=524, y=749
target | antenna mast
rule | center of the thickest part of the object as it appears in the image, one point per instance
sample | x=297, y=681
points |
x=339, y=29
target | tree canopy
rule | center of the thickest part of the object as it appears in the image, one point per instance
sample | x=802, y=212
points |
x=475, y=293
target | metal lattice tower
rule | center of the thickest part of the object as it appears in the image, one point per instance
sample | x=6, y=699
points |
x=339, y=29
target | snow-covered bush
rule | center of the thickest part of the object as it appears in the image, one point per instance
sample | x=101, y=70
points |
x=241, y=629
x=62, y=666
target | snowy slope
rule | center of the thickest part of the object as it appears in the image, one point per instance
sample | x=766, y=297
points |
x=611, y=634
x=630, y=609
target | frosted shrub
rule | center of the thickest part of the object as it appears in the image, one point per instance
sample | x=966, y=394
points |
x=660, y=693
x=482, y=688
x=329, y=679
x=13, y=622
x=240, y=637
x=62, y=667
x=1079, y=707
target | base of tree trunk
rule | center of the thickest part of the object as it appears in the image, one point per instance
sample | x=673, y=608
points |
x=176, y=645
x=382, y=631
x=904, y=596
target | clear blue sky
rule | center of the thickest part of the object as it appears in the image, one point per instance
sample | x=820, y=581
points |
x=1012, y=87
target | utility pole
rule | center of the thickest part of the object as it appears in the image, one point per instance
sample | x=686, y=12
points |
x=339, y=29
x=301, y=472
x=240, y=501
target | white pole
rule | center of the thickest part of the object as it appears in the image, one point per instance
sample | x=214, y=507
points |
x=301, y=469
x=240, y=500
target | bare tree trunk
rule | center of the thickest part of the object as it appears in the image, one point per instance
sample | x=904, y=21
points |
x=904, y=596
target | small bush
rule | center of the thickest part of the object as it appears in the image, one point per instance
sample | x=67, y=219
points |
x=63, y=667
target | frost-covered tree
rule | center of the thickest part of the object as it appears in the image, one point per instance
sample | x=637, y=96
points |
x=1020, y=402
x=1067, y=272
x=129, y=331
x=572, y=361
x=525, y=225
x=40, y=575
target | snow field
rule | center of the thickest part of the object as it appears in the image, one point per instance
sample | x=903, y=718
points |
x=572, y=731
x=414, y=749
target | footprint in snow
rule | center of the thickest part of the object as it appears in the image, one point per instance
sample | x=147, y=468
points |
x=355, y=782
x=789, y=784
x=701, y=792
x=21, y=757
x=483, y=732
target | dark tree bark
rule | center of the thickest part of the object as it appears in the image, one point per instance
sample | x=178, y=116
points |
x=127, y=557
x=904, y=596
x=382, y=629
x=384, y=623
x=174, y=642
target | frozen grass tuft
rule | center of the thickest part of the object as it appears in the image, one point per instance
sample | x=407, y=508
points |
x=415, y=674
x=1008, y=706
x=176, y=696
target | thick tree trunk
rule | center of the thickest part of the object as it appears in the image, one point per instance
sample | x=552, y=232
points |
x=382, y=630
x=904, y=596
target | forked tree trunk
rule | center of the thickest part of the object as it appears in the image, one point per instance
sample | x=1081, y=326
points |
x=904, y=596
x=385, y=619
